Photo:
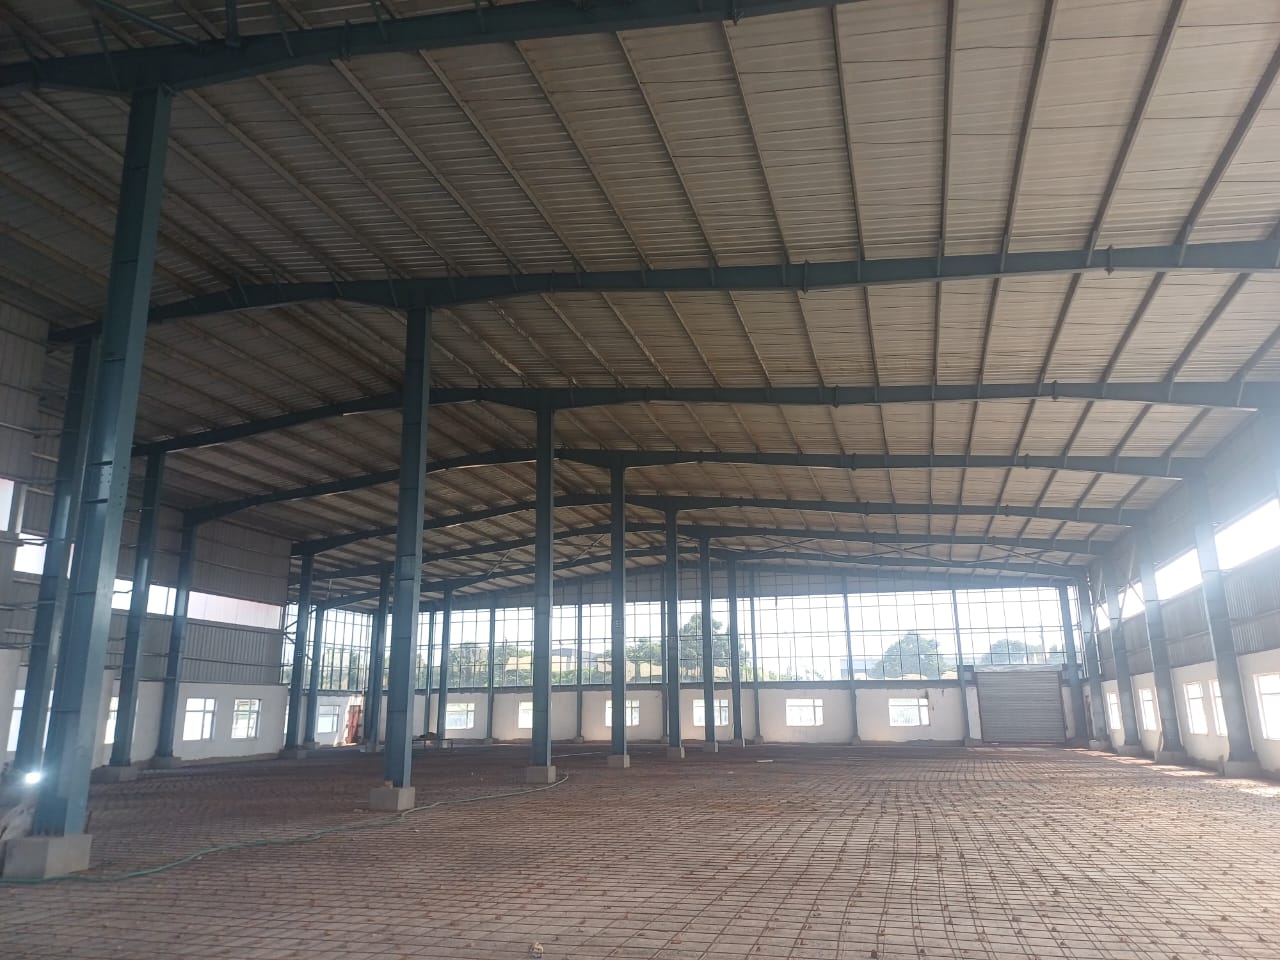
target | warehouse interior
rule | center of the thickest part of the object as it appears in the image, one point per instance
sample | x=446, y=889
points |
x=639, y=478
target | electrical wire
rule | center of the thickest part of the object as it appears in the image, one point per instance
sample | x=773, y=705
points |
x=277, y=842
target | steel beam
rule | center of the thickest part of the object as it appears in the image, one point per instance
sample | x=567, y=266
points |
x=618, y=610
x=885, y=560
x=1241, y=256
x=62, y=804
x=130, y=663
x=177, y=643
x=1158, y=644
x=1073, y=664
x=1218, y=617
x=377, y=653
x=708, y=647
x=848, y=657
x=442, y=698
x=735, y=649
x=543, y=596
x=408, y=563
x=302, y=629
x=313, y=679
x=1114, y=587
x=429, y=681
x=190, y=64
x=671, y=592
x=52, y=598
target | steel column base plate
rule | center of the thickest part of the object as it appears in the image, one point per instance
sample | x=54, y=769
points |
x=675, y=753
x=1241, y=768
x=165, y=763
x=392, y=799
x=540, y=774
x=619, y=761
x=115, y=774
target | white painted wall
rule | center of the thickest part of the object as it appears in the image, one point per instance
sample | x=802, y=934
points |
x=946, y=721
x=1252, y=664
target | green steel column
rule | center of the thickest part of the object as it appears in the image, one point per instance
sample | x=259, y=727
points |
x=1093, y=664
x=540, y=767
x=148, y=518
x=313, y=679
x=493, y=637
x=755, y=656
x=442, y=699
x=1171, y=749
x=735, y=650
x=1113, y=589
x=177, y=641
x=1241, y=758
x=398, y=757
x=377, y=655
x=960, y=677
x=618, y=608
x=848, y=656
x=301, y=630
x=671, y=576
x=51, y=603
x=578, y=735
x=428, y=683
x=62, y=805
x=708, y=647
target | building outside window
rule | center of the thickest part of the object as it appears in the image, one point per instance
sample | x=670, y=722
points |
x=804, y=712
x=1268, y=685
x=1114, y=721
x=18, y=699
x=1147, y=698
x=1197, y=719
x=524, y=715
x=244, y=719
x=1219, y=715
x=197, y=722
x=700, y=713
x=113, y=710
x=633, y=713
x=328, y=719
x=459, y=716
x=908, y=711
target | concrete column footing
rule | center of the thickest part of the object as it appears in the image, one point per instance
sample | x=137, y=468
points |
x=579, y=739
x=735, y=744
x=489, y=741
x=1131, y=750
x=37, y=858
x=540, y=774
x=971, y=742
x=619, y=761
x=293, y=753
x=712, y=746
x=756, y=741
x=165, y=763
x=1241, y=768
x=675, y=753
x=114, y=774
x=392, y=799
x=310, y=745
x=1099, y=745
x=1172, y=758
x=371, y=748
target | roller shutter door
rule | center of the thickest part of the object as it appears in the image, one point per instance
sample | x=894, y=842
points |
x=1021, y=706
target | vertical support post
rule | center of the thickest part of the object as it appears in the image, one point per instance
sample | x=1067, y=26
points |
x=377, y=653
x=442, y=700
x=493, y=638
x=407, y=587
x=1170, y=749
x=577, y=737
x=301, y=630
x=540, y=768
x=177, y=641
x=618, y=619
x=1113, y=589
x=1241, y=759
x=52, y=599
x=313, y=679
x=708, y=649
x=127, y=711
x=1093, y=667
x=671, y=578
x=429, y=680
x=755, y=657
x=735, y=651
x=848, y=659
x=1073, y=665
x=62, y=805
x=965, y=725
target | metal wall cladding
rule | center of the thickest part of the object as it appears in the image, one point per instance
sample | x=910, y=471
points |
x=1253, y=589
x=220, y=654
x=1185, y=651
x=22, y=339
x=1184, y=615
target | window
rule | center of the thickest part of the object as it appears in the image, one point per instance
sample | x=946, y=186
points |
x=197, y=724
x=1148, y=700
x=1113, y=711
x=460, y=716
x=633, y=713
x=244, y=719
x=908, y=711
x=804, y=713
x=1268, y=685
x=29, y=557
x=1178, y=575
x=1197, y=719
x=113, y=710
x=1252, y=535
x=524, y=716
x=18, y=699
x=6, y=502
x=1219, y=716
x=700, y=713
x=327, y=720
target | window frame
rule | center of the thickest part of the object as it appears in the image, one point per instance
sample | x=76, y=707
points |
x=113, y=717
x=1268, y=705
x=1219, y=714
x=918, y=704
x=207, y=711
x=1147, y=708
x=463, y=708
x=632, y=708
x=794, y=707
x=327, y=711
x=1197, y=716
x=524, y=710
x=240, y=712
x=721, y=708
x=1115, y=718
